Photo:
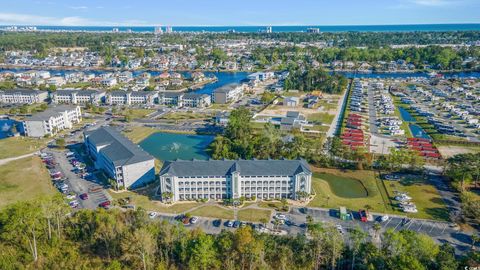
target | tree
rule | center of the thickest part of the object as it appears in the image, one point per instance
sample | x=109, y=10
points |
x=60, y=142
x=202, y=252
x=139, y=246
x=446, y=258
x=357, y=238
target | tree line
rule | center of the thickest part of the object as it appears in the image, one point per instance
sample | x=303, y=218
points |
x=315, y=79
x=42, y=234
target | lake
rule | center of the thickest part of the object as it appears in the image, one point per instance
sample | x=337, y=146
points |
x=406, y=116
x=6, y=128
x=416, y=130
x=170, y=146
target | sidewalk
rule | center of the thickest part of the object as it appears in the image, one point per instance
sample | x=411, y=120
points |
x=6, y=160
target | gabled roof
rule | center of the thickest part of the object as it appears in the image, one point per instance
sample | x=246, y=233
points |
x=187, y=168
x=120, y=150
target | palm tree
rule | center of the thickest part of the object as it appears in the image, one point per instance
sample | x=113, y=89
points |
x=376, y=229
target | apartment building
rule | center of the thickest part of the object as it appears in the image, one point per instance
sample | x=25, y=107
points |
x=228, y=93
x=77, y=97
x=195, y=100
x=131, y=98
x=119, y=158
x=52, y=120
x=222, y=179
x=20, y=96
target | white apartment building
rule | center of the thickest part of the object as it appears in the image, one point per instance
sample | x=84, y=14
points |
x=23, y=96
x=228, y=93
x=196, y=100
x=77, y=97
x=52, y=120
x=222, y=179
x=131, y=98
x=119, y=158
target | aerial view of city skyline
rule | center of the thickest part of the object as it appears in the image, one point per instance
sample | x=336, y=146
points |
x=246, y=13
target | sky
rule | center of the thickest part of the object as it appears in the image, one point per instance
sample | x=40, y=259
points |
x=236, y=13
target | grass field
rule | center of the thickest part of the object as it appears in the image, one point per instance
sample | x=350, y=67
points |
x=213, y=211
x=145, y=202
x=321, y=118
x=326, y=197
x=136, y=113
x=185, y=116
x=138, y=134
x=254, y=215
x=17, y=146
x=24, y=179
x=429, y=203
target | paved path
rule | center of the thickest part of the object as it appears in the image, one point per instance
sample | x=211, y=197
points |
x=341, y=108
x=6, y=160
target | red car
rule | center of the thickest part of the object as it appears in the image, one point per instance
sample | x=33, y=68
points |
x=363, y=215
x=84, y=196
x=105, y=204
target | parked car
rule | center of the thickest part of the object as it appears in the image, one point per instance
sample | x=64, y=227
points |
x=105, y=204
x=230, y=223
x=384, y=218
x=71, y=196
x=186, y=221
x=217, y=222
x=236, y=224
x=84, y=196
x=280, y=217
x=152, y=215
x=194, y=220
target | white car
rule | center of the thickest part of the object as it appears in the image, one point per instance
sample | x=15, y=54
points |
x=339, y=228
x=193, y=220
x=152, y=215
x=71, y=197
x=280, y=217
x=384, y=218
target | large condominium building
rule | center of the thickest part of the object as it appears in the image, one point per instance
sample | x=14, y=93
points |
x=21, y=96
x=52, y=120
x=221, y=179
x=228, y=93
x=77, y=96
x=131, y=98
x=193, y=100
x=119, y=158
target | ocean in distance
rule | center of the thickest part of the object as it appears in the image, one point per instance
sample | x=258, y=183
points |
x=253, y=29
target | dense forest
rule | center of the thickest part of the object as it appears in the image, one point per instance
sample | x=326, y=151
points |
x=315, y=79
x=41, y=235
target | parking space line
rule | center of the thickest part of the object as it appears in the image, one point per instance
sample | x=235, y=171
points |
x=398, y=224
x=444, y=227
x=410, y=224
x=421, y=225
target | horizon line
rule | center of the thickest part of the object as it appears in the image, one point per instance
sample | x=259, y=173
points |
x=259, y=25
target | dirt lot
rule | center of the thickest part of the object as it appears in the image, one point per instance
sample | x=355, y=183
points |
x=448, y=151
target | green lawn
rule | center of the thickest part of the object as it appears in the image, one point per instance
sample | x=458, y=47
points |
x=24, y=179
x=186, y=116
x=213, y=211
x=254, y=215
x=326, y=181
x=145, y=201
x=138, y=134
x=17, y=146
x=429, y=203
x=318, y=118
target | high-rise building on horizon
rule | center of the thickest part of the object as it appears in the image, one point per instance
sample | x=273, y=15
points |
x=158, y=30
x=168, y=30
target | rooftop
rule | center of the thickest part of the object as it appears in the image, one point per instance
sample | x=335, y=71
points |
x=183, y=168
x=50, y=112
x=120, y=150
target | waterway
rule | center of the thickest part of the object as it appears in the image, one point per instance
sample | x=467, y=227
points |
x=283, y=28
x=416, y=130
x=223, y=77
x=169, y=146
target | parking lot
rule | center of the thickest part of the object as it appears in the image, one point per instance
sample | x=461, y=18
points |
x=75, y=182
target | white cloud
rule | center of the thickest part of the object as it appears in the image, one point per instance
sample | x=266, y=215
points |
x=28, y=19
x=79, y=7
x=433, y=3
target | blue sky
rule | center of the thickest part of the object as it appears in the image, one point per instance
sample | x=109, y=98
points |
x=239, y=12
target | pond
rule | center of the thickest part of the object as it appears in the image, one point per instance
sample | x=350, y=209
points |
x=418, y=132
x=406, y=116
x=6, y=128
x=344, y=187
x=169, y=146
